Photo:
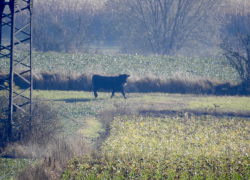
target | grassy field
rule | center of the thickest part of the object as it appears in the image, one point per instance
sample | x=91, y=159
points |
x=218, y=142
x=78, y=110
x=139, y=147
x=81, y=115
x=75, y=106
x=130, y=64
x=153, y=135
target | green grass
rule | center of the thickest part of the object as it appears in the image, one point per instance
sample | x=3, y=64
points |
x=130, y=64
x=217, y=155
x=154, y=148
x=10, y=167
x=228, y=103
x=78, y=111
x=76, y=106
x=236, y=103
x=60, y=95
x=92, y=129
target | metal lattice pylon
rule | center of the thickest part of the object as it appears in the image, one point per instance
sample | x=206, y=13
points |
x=16, y=45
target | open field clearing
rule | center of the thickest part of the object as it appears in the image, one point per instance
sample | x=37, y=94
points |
x=173, y=145
x=80, y=109
x=145, y=101
x=81, y=115
x=147, y=147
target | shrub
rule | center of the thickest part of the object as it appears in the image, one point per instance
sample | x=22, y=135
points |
x=44, y=122
x=41, y=140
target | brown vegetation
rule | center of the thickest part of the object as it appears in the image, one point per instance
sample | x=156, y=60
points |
x=39, y=142
x=44, y=124
x=55, y=155
x=179, y=83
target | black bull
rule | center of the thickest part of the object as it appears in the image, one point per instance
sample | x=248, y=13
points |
x=115, y=83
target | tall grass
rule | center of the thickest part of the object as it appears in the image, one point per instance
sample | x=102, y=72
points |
x=55, y=155
x=41, y=140
x=43, y=125
x=54, y=71
x=178, y=83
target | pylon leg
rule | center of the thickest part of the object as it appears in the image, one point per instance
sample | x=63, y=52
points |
x=21, y=34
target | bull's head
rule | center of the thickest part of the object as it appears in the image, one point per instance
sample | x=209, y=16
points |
x=123, y=78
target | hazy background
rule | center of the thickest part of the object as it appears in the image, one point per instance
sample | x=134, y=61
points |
x=190, y=28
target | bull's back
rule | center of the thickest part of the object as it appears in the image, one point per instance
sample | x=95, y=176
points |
x=105, y=82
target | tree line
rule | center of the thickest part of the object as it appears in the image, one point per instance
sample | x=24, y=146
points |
x=163, y=27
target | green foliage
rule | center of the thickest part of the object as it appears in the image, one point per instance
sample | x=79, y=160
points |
x=76, y=107
x=154, y=148
x=10, y=167
x=92, y=128
x=130, y=64
x=78, y=112
x=206, y=136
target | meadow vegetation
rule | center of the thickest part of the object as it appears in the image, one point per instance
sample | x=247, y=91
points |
x=74, y=133
x=54, y=71
x=174, y=125
x=10, y=167
x=39, y=150
x=193, y=147
x=85, y=124
x=138, y=65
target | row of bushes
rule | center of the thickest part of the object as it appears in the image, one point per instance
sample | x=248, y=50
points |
x=180, y=83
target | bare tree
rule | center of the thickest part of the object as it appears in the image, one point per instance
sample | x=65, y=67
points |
x=235, y=44
x=162, y=26
x=62, y=25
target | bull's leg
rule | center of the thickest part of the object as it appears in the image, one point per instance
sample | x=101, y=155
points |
x=113, y=93
x=95, y=93
x=123, y=93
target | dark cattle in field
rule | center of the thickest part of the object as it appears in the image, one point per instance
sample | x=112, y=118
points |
x=115, y=83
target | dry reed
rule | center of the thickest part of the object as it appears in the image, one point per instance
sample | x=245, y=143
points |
x=178, y=83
